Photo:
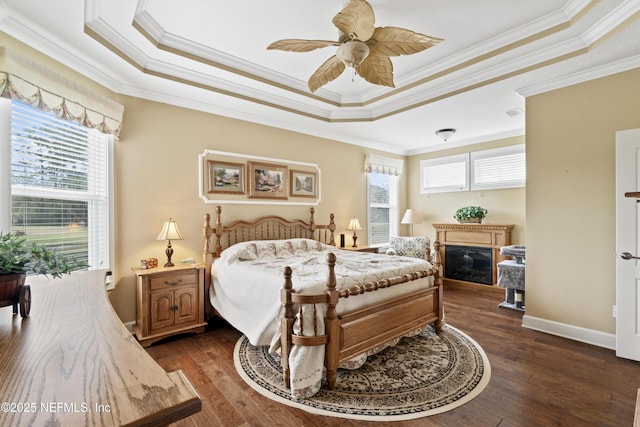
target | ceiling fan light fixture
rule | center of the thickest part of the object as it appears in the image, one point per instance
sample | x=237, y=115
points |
x=445, y=134
x=361, y=45
x=352, y=53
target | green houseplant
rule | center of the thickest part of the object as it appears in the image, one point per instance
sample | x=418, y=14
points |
x=18, y=257
x=473, y=214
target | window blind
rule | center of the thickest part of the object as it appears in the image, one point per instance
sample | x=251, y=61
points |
x=498, y=168
x=444, y=174
x=60, y=184
x=383, y=208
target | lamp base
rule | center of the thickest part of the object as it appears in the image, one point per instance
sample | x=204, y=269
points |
x=169, y=253
x=354, y=240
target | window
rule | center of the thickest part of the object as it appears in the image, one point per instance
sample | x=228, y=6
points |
x=444, y=174
x=503, y=167
x=498, y=168
x=383, y=208
x=60, y=183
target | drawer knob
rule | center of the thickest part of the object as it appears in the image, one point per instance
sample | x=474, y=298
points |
x=166, y=282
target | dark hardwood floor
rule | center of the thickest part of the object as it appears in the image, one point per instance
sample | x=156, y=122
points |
x=537, y=379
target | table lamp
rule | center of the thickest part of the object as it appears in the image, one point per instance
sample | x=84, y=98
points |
x=353, y=226
x=169, y=232
x=411, y=216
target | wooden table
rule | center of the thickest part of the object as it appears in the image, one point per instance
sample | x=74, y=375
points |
x=72, y=362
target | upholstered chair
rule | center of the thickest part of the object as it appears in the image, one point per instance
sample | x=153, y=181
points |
x=416, y=247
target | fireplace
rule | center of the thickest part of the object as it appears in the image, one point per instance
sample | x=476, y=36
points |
x=468, y=263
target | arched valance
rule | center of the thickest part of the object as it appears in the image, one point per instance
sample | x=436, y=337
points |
x=27, y=81
x=381, y=164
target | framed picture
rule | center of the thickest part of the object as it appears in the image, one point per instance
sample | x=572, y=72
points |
x=225, y=177
x=267, y=180
x=303, y=184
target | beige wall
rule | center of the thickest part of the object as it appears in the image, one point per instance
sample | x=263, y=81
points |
x=571, y=198
x=504, y=206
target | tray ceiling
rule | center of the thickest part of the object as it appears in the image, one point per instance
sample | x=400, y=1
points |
x=212, y=56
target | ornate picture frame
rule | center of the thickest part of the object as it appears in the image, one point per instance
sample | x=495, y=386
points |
x=267, y=180
x=226, y=177
x=303, y=184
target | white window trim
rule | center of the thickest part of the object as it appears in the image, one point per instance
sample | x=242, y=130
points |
x=6, y=187
x=493, y=153
x=394, y=191
x=444, y=161
x=470, y=160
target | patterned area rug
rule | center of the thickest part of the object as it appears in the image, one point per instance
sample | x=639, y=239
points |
x=422, y=375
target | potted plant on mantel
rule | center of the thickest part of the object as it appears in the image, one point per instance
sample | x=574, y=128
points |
x=18, y=258
x=470, y=214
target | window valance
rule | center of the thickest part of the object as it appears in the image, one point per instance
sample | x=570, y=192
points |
x=29, y=82
x=381, y=164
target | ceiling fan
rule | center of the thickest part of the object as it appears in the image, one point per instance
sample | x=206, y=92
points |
x=361, y=45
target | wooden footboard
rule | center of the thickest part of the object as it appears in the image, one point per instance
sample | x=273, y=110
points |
x=352, y=334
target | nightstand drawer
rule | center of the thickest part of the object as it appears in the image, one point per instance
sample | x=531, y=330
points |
x=171, y=281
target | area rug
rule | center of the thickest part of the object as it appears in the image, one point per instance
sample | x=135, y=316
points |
x=422, y=375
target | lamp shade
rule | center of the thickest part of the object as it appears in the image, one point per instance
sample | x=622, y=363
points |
x=169, y=231
x=354, y=224
x=411, y=216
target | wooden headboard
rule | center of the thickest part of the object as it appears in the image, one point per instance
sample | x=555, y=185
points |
x=219, y=236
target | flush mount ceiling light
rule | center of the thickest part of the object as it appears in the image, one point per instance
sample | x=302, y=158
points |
x=362, y=46
x=445, y=134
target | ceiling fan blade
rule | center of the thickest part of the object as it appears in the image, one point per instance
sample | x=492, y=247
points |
x=377, y=69
x=327, y=72
x=394, y=41
x=300, y=45
x=356, y=20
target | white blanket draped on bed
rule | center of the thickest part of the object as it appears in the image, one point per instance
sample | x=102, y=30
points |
x=248, y=277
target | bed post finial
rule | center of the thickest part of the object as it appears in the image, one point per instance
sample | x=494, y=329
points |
x=286, y=324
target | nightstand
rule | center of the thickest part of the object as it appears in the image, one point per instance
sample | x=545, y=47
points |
x=169, y=301
x=371, y=249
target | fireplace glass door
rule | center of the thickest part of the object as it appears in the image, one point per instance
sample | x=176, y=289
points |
x=468, y=263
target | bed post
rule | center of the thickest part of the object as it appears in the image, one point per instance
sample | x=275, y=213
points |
x=218, y=231
x=312, y=223
x=207, y=259
x=331, y=325
x=286, y=325
x=439, y=282
x=332, y=228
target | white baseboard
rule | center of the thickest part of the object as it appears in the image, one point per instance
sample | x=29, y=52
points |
x=589, y=336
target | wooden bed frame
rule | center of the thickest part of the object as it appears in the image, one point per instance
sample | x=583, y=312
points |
x=346, y=336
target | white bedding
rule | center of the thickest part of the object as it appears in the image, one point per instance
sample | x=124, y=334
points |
x=248, y=277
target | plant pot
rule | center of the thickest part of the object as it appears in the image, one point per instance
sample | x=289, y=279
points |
x=471, y=221
x=14, y=292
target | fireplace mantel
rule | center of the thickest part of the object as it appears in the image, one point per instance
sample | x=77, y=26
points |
x=492, y=236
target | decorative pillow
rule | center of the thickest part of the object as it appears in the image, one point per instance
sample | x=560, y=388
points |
x=315, y=246
x=415, y=247
x=250, y=252
x=268, y=250
x=284, y=249
x=301, y=248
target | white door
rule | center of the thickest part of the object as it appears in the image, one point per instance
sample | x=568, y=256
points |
x=627, y=245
